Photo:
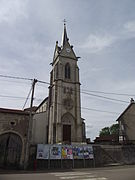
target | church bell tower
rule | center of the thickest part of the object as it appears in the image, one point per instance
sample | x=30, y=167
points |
x=65, y=122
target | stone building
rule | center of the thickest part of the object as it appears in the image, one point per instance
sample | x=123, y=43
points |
x=13, y=136
x=60, y=113
x=65, y=122
x=56, y=120
x=127, y=124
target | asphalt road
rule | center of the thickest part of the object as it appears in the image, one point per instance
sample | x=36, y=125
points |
x=111, y=173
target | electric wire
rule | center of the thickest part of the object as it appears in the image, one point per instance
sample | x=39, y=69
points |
x=113, y=99
x=15, y=77
x=16, y=82
x=111, y=93
x=90, y=109
x=83, y=90
x=86, y=92
x=90, y=94
x=18, y=97
x=12, y=97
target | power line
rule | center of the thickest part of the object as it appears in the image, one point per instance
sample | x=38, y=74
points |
x=15, y=82
x=118, y=100
x=43, y=82
x=90, y=109
x=15, y=77
x=18, y=97
x=12, y=97
x=100, y=92
x=111, y=93
x=84, y=92
x=97, y=110
x=99, y=96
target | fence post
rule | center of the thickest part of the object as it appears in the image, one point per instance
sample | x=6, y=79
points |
x=73, y=158
x=83, y=158
x=49, y=159
x=61, y=158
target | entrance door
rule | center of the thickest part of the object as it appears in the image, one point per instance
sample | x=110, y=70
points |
x=10, y=150
x=67, y=133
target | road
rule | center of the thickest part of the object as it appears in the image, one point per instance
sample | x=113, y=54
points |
x=110, y=173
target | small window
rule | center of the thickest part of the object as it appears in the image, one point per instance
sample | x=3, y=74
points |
x=67, y=71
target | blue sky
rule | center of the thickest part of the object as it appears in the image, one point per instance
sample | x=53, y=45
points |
x=103, y=35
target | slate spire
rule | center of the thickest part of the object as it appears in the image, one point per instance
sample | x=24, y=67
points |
x=64, y=36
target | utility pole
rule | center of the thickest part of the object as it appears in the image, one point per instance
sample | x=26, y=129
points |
x=29, y=133
x=31, y=105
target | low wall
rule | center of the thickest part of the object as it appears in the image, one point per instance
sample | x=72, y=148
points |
x=109, y=154
x=103, y=155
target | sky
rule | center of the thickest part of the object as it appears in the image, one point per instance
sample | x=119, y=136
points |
x=103, y=35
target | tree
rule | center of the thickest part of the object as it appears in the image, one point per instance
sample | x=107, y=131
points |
x=105, y=131
x=114, y=129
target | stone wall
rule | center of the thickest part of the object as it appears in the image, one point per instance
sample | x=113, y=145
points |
x=104, y=155
x=111, y=154
x=15, y=122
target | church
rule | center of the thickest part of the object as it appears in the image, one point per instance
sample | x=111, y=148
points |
x=57, y=120
x=62, y=108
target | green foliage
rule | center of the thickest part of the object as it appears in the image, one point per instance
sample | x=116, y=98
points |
x=112, y=130
x=104, y=131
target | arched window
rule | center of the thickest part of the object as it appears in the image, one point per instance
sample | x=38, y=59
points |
x=67, y=71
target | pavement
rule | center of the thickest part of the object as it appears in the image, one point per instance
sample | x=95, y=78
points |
x=106, y=173
x=14, y=171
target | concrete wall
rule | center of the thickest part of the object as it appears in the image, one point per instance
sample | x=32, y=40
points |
x=39, y=130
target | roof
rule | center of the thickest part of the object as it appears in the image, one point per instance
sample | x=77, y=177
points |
x=64, y=37
x=106, y=138
x=132, y=103
x=33, y=109
x=13, y=111
x=42, y=103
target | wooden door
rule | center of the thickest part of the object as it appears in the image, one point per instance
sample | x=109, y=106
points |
x=67, y=133
x=10, y=150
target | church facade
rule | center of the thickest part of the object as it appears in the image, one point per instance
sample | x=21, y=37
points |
x=63, y=106
x=57, y=120
x=65, y=123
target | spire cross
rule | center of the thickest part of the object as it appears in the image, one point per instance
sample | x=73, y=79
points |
x=64, y=21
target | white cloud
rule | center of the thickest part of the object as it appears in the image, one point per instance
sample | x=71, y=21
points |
x=96, y=43
x=10, y=10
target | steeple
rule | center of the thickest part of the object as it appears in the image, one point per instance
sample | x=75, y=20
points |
x=64, y=36
x=65, y=123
